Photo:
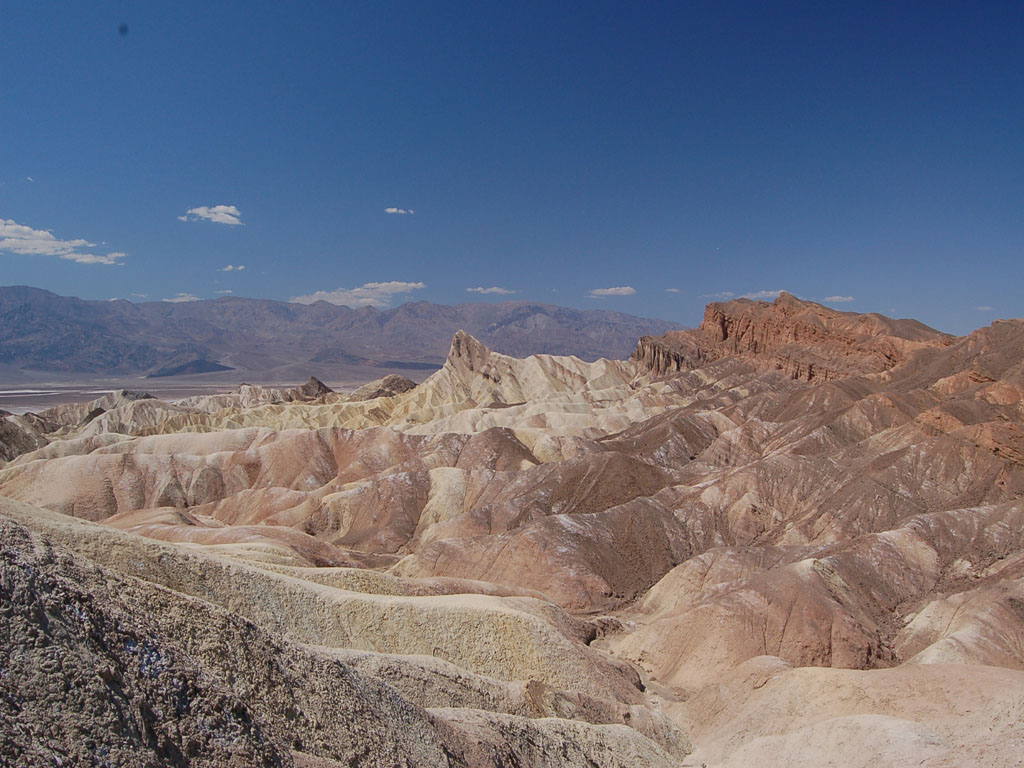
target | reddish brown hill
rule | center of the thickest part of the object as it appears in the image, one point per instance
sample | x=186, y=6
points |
x=804, y=340
x=818, y=512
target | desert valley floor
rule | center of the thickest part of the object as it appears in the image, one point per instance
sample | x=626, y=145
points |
x=790, y=537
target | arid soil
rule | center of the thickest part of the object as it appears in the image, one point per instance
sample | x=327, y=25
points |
x=792, y=536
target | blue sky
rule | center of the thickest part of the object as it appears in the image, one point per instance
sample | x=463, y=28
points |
x=870, y=154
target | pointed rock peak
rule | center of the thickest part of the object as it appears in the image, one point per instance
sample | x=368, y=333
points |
x=789, y=305
x=786, y=298
x=314, y=388
x=467, y=351
x=311, y=390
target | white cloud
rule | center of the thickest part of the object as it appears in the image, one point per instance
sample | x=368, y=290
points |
x=671, y=290
x=984, y=308
x=366, y=295
x=602, y=293
x=399, y=210
x=219, y=214
x=719, y=295
x=141, y=295
x=182, y=297
x=761, y=295
x=95, y=258
x=232, y=268
x=225, y=291
x=494, y=289
x=20, y=239
x=30, y=178
x=838, y=299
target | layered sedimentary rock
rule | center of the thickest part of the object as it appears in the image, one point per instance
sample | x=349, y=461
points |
x=804, y=340
x=21, y=434
x=806, y=528
x=102, y=667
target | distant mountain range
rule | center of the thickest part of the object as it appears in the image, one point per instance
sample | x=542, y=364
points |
x=41, y=331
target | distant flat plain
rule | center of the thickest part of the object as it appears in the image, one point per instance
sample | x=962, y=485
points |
x=35, y=393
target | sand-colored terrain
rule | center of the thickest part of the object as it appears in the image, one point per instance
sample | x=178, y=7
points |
x=792, y=536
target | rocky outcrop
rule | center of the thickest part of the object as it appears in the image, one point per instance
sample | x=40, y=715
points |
x=128, y=412
x=804, y=340
x=71, y=415
x=313, y=389
x=819, y=512
x=668, y=354
x=21, y=434
x=389, y=386
x=475, y=390
x=85, y=682
x=167, y=666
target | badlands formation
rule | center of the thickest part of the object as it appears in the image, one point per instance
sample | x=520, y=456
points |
x=790, y=537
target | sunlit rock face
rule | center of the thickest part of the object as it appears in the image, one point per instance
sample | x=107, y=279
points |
x=788, y=529
x=802, y=339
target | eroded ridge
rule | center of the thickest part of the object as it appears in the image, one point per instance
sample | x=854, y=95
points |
x=789, y=532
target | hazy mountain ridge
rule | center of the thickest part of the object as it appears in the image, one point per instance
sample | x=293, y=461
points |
x=42, y=331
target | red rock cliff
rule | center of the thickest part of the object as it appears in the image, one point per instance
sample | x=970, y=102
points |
x=805, y=340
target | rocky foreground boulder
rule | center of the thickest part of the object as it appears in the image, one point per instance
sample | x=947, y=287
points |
x=101, y=668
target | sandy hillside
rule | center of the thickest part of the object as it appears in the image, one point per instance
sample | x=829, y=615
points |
x=792, y=536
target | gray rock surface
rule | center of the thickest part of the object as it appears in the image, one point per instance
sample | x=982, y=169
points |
x=100, y=668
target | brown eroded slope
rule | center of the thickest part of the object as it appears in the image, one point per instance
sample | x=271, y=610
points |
x=166, y=666
x=804, y=340
x=812, y=508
